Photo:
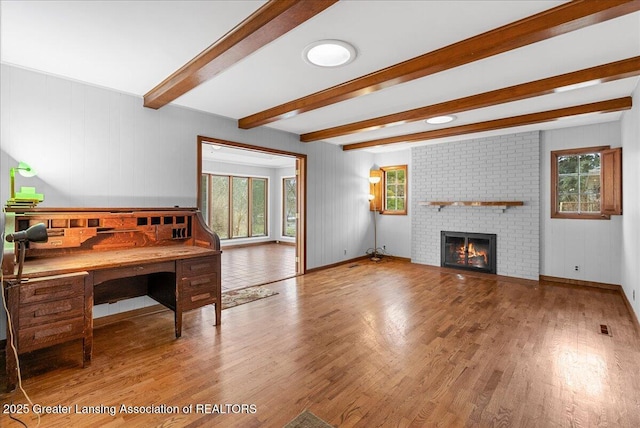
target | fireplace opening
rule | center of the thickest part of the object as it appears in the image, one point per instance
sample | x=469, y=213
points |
x=471, y=251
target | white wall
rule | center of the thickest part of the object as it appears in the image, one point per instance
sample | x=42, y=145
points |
x=630, y=266
x=95, y=147
x=394, y=231
x=592, y=245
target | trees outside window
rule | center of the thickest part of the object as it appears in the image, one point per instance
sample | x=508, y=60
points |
x=236, y=207
x=394, y=186
x=289, y=198
x=586, y=183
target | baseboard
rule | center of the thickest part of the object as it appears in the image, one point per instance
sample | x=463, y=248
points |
x=627, y=303
x=344, y=262
x=247, y=244
x=545, y=278
x=110, y=319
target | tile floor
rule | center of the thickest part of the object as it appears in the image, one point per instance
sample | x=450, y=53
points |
x=246, y=266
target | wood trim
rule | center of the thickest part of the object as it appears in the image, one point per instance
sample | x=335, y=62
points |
x=272, y=20
x=627, y=303
x=474, y=203
x=111, y=319
x=608, y=106
x=248, y=244
x=301, y=173
x=544, y=25
x=567, y=281
x=600, y=74
x=344, y=262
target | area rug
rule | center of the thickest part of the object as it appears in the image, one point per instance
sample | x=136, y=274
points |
x=233, y=298
x=307, y=419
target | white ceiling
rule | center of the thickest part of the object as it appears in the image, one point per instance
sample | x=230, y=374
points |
x=131, y=46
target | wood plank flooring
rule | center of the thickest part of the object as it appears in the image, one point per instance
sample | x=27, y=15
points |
x=362, y=345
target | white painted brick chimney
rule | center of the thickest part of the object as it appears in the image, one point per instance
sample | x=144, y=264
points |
x=501, y=168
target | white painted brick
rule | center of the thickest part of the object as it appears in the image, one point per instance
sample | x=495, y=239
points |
x=504, y=168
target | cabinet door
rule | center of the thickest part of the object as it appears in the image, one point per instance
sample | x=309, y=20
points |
x=612, y=181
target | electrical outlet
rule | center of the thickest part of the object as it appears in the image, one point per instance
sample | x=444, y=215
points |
x=345, y=252
x=384, y=248
x=634, y=295
x=577, y=268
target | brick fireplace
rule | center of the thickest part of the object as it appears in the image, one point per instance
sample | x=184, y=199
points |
x=501, y=168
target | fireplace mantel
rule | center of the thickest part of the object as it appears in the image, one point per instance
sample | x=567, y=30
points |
x=503, y=205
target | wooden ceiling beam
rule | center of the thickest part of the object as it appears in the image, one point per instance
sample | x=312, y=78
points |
x=272, y=20
x=547, y=24
x=609, y=106
x=599, y=74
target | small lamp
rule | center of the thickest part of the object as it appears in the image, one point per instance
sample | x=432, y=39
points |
x=27, y=195
x=36, y=233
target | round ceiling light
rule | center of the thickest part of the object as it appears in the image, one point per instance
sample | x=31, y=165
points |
x=439, y=120
x=329, y=53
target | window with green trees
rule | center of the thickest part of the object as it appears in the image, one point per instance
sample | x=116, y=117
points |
x=235, y=207
x=289, y=191
x=586, y=183
x=394, y=198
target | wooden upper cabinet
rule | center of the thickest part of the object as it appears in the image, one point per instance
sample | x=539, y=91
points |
x=612, y=181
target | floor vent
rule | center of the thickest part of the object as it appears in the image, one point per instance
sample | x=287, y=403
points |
x=604, y=329
x=352, y=266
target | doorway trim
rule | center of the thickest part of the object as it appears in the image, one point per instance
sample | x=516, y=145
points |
x=301, y=183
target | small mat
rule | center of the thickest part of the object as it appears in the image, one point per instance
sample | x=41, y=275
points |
x=307, y=419
x=245, y=295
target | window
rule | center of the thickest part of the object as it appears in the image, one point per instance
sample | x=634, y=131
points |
x=289, y=206
x=586, y=183
x=394, y=190
x=235, y=207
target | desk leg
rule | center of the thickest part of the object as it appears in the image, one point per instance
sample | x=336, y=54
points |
x=12, y=369
x=178, y=321
x=218, y=312
x=87, y=341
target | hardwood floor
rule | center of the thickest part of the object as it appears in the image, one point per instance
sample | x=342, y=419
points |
x=362, y=345
x=257, y=264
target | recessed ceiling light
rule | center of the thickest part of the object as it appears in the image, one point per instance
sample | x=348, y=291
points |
x=438, y=120
x=329, y=53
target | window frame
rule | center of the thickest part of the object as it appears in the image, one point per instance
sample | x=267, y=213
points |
x=250, y=179
x=383, y=192
x=284, y=205
x=604, y=190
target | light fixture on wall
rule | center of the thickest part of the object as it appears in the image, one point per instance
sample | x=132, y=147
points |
x=374, y=179
x=27, y=196
x=329, y=53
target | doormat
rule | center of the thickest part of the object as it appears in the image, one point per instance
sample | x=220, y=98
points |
x=307, y=419
x=233, y=298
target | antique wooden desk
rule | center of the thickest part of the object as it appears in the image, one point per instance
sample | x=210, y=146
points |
x=96, y=256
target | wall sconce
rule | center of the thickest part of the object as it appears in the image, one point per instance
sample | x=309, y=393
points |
x=27, y=196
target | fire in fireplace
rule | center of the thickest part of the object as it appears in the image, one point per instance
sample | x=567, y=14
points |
x=471, y=251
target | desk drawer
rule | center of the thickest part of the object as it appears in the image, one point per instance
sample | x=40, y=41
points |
x=48, y=312
x=52, y=288
x=199, y=266
x=129, y=271
x=46, y=335
x=199, y=291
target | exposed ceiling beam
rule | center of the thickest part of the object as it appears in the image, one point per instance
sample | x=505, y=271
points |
x=559, y=20
x=609, y=106
x=272, y=20
x=600, y=74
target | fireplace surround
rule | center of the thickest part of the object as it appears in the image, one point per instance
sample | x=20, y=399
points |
x=469, y=251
